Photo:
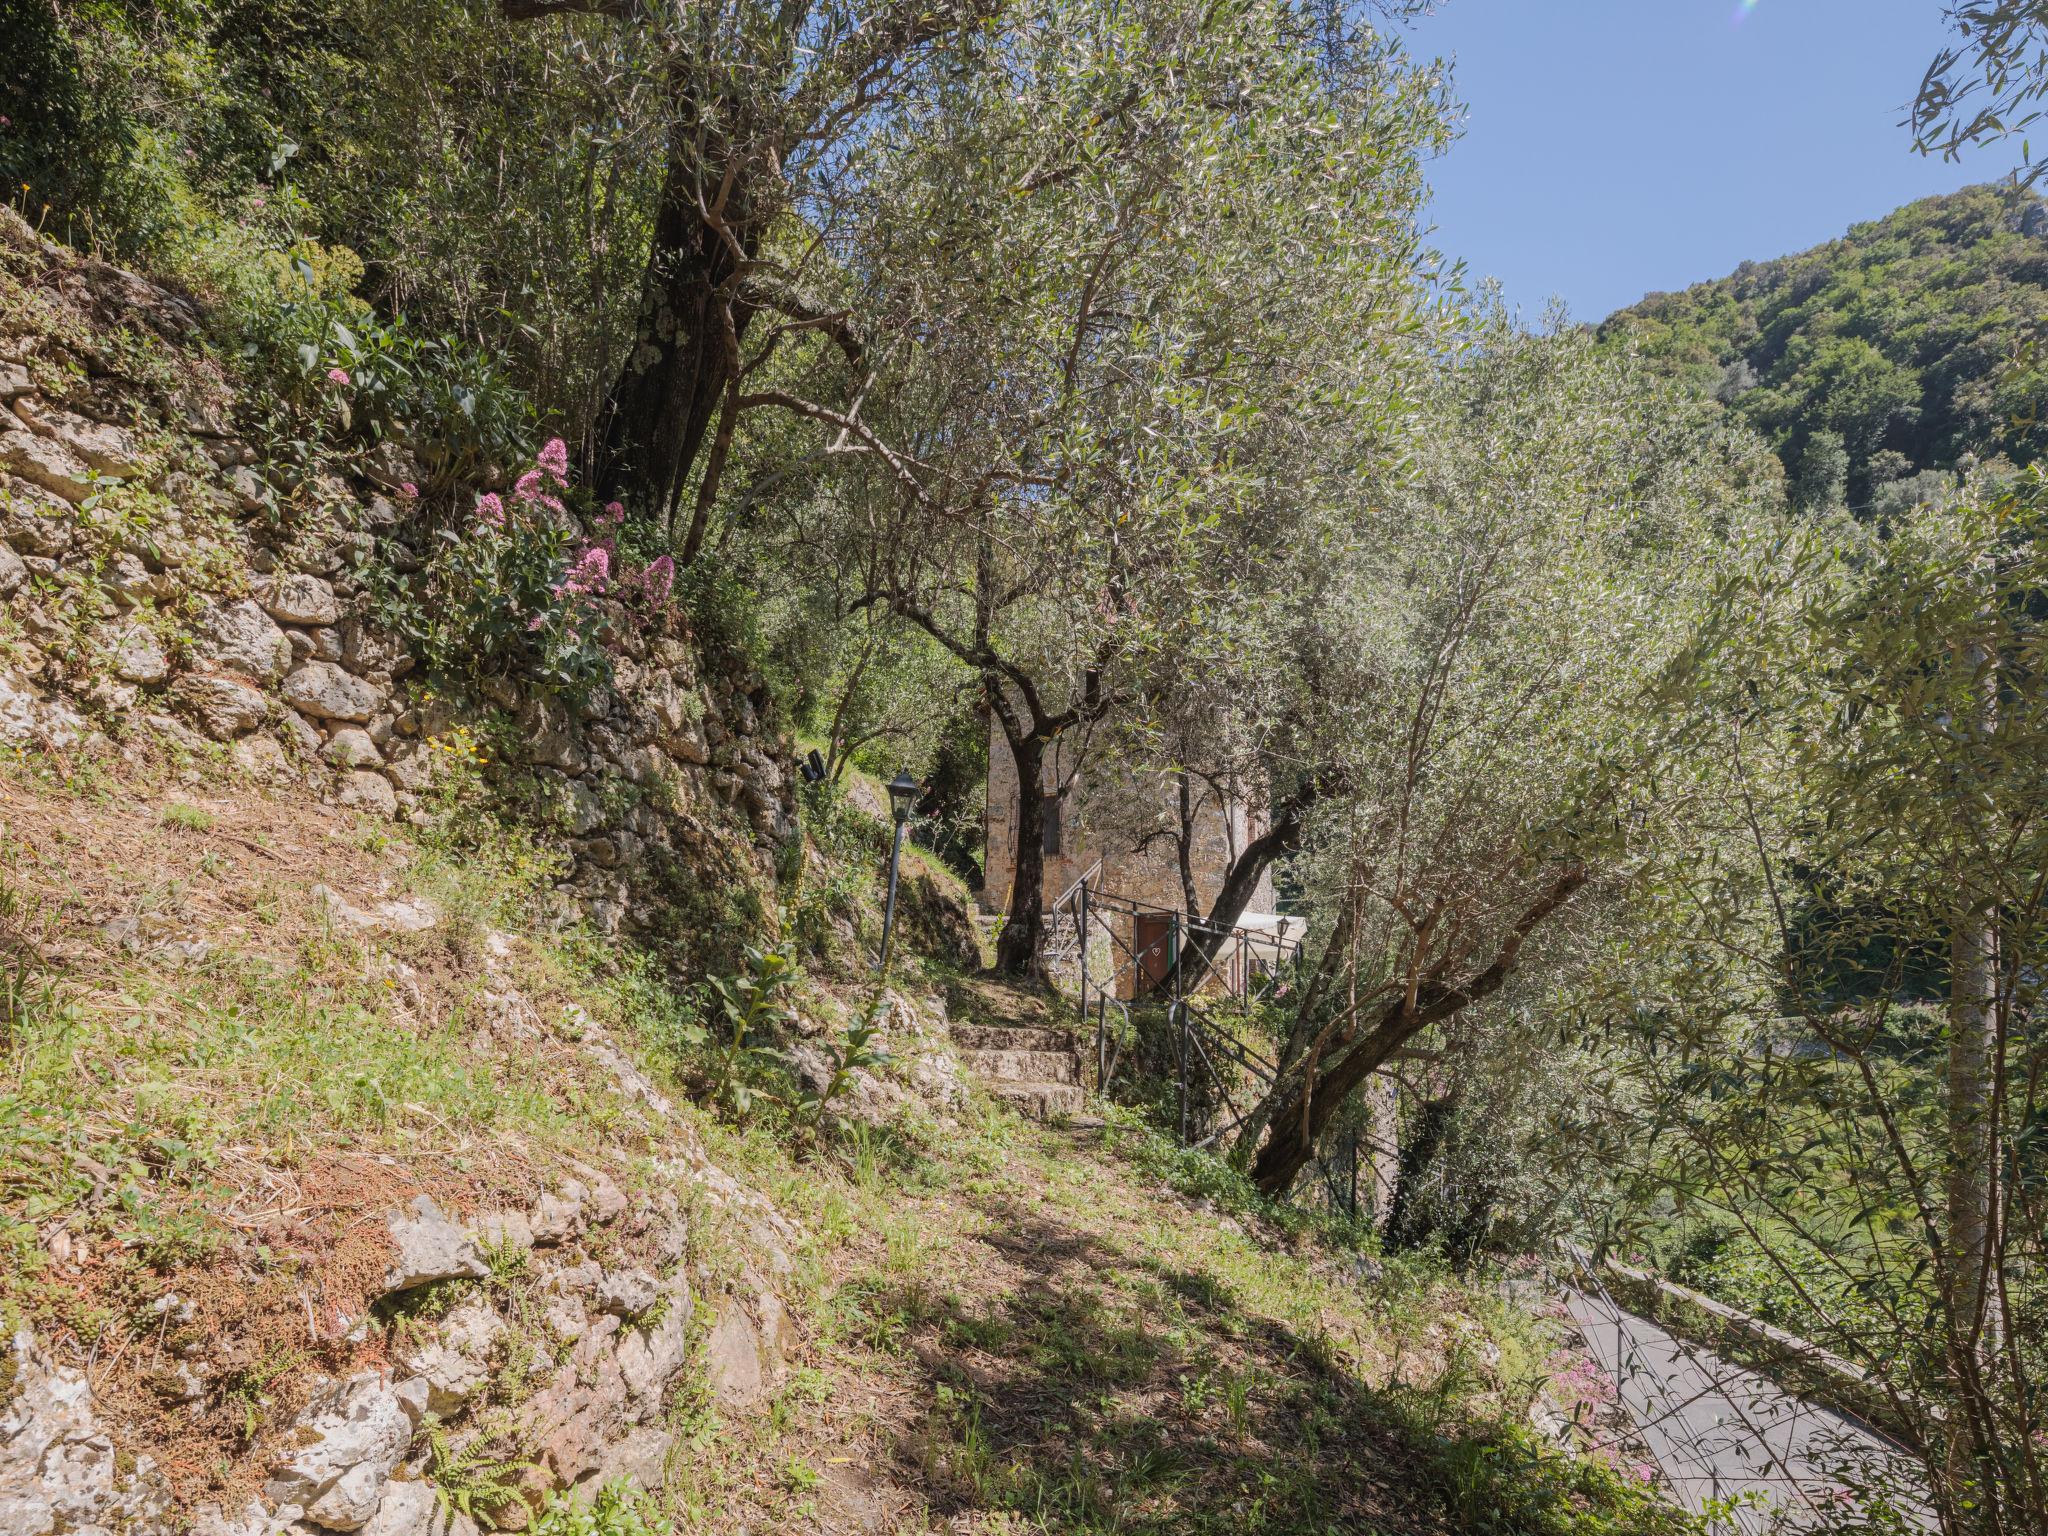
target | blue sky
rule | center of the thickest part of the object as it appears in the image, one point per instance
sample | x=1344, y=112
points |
x=1615, y=147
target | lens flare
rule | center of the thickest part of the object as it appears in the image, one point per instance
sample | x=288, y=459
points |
x=1743, y=9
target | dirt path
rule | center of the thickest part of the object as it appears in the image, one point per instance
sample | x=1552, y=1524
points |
x=1038, y=1336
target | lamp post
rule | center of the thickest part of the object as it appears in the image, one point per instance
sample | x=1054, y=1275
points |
x=902, y=795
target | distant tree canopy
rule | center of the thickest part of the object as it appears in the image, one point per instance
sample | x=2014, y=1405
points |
x=1902, y=348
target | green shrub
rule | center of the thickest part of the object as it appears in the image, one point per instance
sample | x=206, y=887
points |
x=518, y=591
x=619, y=1509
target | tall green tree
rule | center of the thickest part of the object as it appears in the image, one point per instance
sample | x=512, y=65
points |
x=1865, y=825
x=1135, y=285
x=1512, y=598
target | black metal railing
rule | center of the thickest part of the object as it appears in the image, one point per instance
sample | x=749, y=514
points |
x=1145, y=953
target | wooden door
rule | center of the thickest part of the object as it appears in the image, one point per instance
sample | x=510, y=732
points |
x=1152, y=939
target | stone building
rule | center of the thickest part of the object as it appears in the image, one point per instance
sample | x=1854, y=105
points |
x=1120, y=827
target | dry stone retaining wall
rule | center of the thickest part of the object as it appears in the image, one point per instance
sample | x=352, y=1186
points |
x=155, y=581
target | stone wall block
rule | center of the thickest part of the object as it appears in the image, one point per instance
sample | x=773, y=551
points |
x=338, y=1456
x=323, y=690
x=239, y=637
x=300, y=599
x=34, y=520
x=104, y=447
x=45, y=463
x=226, y=708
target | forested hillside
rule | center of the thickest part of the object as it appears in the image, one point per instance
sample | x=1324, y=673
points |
x=1882, y=361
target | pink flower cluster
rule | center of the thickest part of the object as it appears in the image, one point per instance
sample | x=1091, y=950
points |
x=596, y=568
x=338, y=376
x=552, y=466
x=587, y=577
x=659, y=579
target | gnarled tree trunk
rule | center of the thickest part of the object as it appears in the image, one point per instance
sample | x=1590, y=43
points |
x=1306, y=1106
x=1024, y=930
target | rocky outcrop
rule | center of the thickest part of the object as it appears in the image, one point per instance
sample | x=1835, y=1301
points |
x=60, y=1474
x=617, y=1342
x=430, y=1247
x=344, y=1448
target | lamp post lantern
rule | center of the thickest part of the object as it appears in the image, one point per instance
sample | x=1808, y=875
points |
x=903, y=791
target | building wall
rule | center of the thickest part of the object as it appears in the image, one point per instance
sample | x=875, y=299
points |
x=1101, y=813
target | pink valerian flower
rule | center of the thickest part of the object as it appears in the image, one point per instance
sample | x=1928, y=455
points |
x=529, y=487
x=588, y=575
x=338, y=376
x=614, y=513
x=490, y=511
x=409, y=491
x=554, y=458
x=536, y=622
x=659, y=579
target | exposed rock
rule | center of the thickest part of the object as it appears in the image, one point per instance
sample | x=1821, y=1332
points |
x=411, y=1508
x=262, y=759
x=430, y=1247
x=456, y=1361
x=58, y=1469
x=323, y=690
x=569, y=1422
x=43, y=462
x=254, y=1520
x=299, y=734
x=107, y=448
x=19, y=710
x=559, y=1215
x=565, y=1320
x=628, y=1292
x=239, y=637
x=133, y=580
x=33, y=520
x=550, y=737
x=411, y=767
x=365, y=790
x=252, y=494
x=342, y=1449
x=226, y=708
x=299, y=598
x=602, y=1199
x=14, y=380
x=139, y=656
x=351, y=747
x=504, y=1229
x=650, y=1358
x=732, y=1359
x=12, y=572
x=639, y=1456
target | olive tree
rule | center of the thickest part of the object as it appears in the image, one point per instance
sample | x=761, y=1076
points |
x=1513, y=596
x=1119, y=280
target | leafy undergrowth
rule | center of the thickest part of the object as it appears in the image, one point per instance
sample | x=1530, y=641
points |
x=212, y=1089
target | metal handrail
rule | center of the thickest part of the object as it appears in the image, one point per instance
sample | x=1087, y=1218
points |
x=1199, y=1040
x=1088, y=874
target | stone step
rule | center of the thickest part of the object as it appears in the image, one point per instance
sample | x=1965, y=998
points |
x=1041, y=1101
x=1010, y=1037
x=1023, y=1066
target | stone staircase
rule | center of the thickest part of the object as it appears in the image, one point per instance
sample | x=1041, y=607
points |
x=1034, y=1068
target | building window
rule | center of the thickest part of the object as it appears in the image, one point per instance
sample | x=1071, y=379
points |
x=1050, y=828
